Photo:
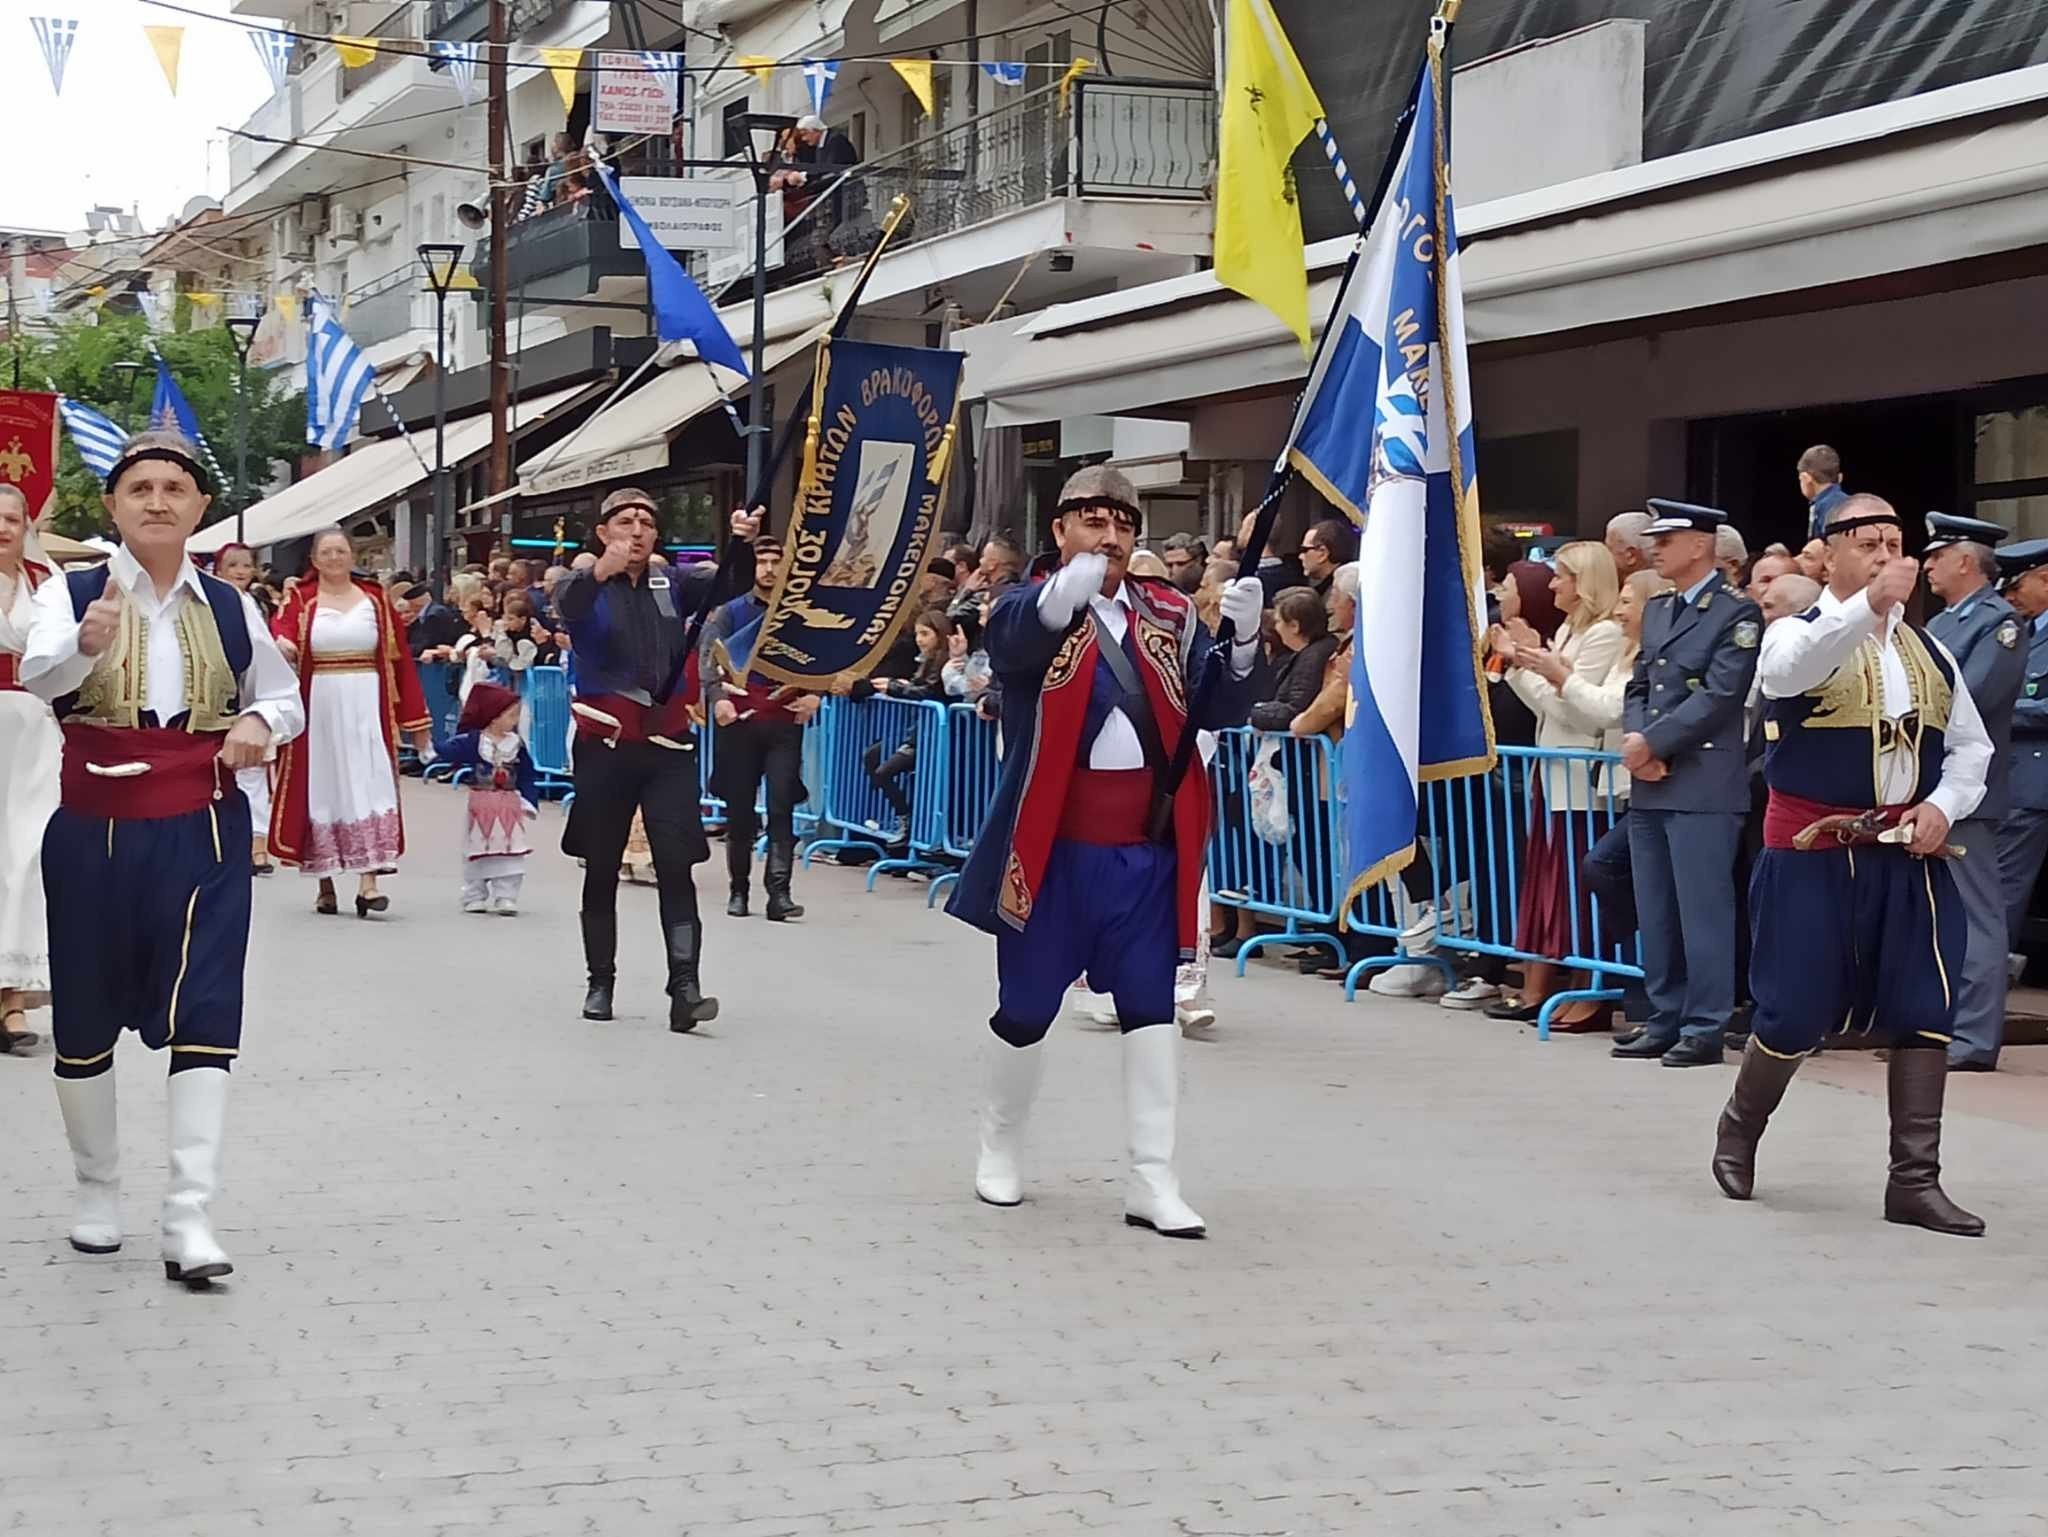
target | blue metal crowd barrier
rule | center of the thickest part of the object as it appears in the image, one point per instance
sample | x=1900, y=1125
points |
x=973, y=765
x=1273, y=844
x=441, y=683
x=547, y=735
x=1478, y=831
x=854, y=813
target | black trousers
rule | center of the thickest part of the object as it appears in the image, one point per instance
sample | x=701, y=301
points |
x=661, y=784
x=886, y=774
x=750, y=751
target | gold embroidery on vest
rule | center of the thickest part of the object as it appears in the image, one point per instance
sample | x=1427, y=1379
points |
x=116, y=692
x=209, y=682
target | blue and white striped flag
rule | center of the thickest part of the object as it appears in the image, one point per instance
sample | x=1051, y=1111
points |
x=818, y=77
x=459, y=60
x=1385, y=432
x=1004, y=74
x=337, y=378
x=274, y=48
x=96, y=438
x=56, y=35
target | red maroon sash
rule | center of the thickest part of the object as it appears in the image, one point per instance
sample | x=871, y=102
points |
x=139, y=775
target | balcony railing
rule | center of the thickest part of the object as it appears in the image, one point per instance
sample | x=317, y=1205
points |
x=1121, y=138
x=561, y=252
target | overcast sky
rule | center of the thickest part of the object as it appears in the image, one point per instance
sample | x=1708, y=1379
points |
x=117, y=135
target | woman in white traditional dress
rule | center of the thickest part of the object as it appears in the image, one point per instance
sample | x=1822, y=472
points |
x=236, y=565
x=336, y=809
x=31, y=751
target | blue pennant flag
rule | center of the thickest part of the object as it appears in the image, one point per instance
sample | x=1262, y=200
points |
x=169, y=410
x=1004, y=74
x=96, y=438
x=1385, y=432
x=337, y=378
x=818, y=77
x=681, y=312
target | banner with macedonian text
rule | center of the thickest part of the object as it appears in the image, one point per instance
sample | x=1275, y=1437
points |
x=877, y=447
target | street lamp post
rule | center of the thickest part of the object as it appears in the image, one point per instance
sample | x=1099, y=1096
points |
x=242, y=332
x=764, y=132
x=129, y=373
x=441, y=262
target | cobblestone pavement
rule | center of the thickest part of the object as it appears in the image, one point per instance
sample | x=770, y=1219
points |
x=500, y=1270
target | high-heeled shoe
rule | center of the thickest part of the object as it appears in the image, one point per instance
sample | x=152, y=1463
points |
x=326, y=903
x=368, y=905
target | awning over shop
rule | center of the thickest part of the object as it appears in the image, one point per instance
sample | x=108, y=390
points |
x=373, y=473
x=632, y=437
x=1941, y=177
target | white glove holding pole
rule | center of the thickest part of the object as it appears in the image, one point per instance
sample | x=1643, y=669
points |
x=1067, y=591
x=1242, y=603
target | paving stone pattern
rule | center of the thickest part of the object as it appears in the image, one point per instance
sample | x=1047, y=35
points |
x=501, y=1270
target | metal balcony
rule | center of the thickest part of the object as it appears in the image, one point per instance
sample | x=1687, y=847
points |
x=1152, y=139
x=380, y=311
x=563, y=252
x=466, y=21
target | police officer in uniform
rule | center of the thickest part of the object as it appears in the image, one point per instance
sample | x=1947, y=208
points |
x=1982, y=632
x=1683, y=748
x=2023, y=833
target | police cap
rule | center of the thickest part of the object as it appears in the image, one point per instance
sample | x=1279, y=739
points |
x=1947, y=528
x=2016, y=560
x=1683, y=518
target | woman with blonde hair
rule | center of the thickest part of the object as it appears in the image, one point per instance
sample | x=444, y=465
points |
x=1598, y=707
x=1554, y=918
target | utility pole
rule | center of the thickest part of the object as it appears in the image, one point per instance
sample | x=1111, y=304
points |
x=17, y=272
x=501, y=235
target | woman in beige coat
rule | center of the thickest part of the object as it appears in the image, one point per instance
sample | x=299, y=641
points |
x=1554, y=918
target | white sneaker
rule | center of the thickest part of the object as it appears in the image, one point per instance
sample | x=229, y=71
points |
x=1419, y=938
x=1411, y=981
x=475, y=905
x=1472, y=993
x=1197, y=1020
x=505, y=907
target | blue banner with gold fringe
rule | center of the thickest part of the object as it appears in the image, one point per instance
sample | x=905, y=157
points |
x=877, y=448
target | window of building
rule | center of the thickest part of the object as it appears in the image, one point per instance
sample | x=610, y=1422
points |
x=2011, y=469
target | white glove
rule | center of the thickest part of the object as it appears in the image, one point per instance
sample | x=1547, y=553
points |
x=1242, y=603
x=1067, y=591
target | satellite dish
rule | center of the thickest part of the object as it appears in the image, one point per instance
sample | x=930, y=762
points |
x=194, y=207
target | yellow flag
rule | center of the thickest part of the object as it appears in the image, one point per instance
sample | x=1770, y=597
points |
x=167, y=41
x=917, y=74
x=288, y=306
x=561, y=63
x=1074, y=72
x=760, y=65
x=355, y=52
x=1268, y=109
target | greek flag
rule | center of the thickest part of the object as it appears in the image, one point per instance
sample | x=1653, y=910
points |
x=459, y=60
x=1004, y=74
x=274, y=49
x=56, y=35
x=818, y=77
x=337, y=379
x=97, y=439
x=1385, y=432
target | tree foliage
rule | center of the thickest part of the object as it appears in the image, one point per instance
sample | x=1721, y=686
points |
x=78, y=362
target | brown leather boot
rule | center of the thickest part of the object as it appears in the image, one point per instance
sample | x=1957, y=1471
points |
x=1917, y=1080
x=1759, y=1086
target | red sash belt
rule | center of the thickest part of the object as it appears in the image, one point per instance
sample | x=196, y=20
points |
x=631, y=721
x=180, y=772
x=1107, y=806
x=1786, y=816
x=10, y=672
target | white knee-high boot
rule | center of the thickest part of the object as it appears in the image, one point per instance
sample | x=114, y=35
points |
x=198, y=1116
x=1014, y=1073
x=93, y=1130
x=1151, y=1107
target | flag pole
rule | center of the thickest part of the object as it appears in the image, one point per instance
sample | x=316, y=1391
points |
x=1282, y=473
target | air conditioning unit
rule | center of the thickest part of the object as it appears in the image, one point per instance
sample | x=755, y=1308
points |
x=293, y=242
x=345, y=227
x=313, y=215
